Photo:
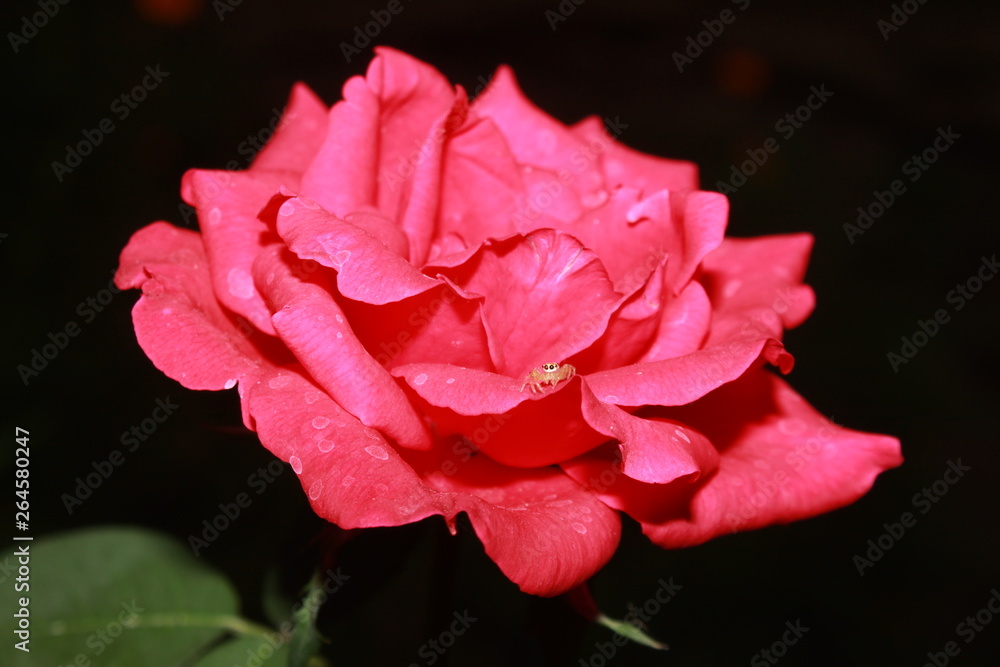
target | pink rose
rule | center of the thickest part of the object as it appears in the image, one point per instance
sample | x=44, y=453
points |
x=388, y=281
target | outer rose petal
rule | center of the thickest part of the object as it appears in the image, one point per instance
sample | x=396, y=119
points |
x=684, y=325
x=781, y=461
x=178, y=322
x=623, y=166
x=543, y=530
x=298, y=136
x=755, y=285
x=228, y=203
x=313, y=326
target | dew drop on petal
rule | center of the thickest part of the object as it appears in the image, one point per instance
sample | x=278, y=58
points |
x=610, y=398
x=315, y=489
x=347, y=481
x=731, y=288
x=450, y=381
x=288, y=208
x=240, y=283
x=340, y=335
x=586, y=519
x=229, y=384
x=278, y=381
x=585, y=509
x=320, y=422
x=296, y=464
x=381, y=489
x=214, y=216
x=312, y=397
x=579, y=527
x=340, y=258
x=377, y=452
x=566, y=502
x=682, y=435
x=420, y=379
x=325, y=445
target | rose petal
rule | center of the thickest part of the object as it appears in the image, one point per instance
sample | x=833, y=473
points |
x=755, y=285
x=313, y=326
x=623, y=166
x=299, y=134
x=178, y=322
x=681, y=380
x=544, y=531
x=537, y=139
x=653, y=450
x=780, y=461
x=367, y=270
x=546, y=297
x=684, y=325
x=228, y=203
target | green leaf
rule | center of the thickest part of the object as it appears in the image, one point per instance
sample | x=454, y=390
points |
x=630, y=631
x=118, y=596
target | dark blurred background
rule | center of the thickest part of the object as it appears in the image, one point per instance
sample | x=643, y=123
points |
x=229, y=64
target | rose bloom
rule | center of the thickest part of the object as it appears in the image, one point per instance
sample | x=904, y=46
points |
x=390, y=280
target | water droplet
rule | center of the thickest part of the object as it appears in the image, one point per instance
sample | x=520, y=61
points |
x=420, y=379
x=731, y=288
x=340, y=335
x=325, y=445
x=312, y=397
x=610, y=398
x=339, y=318
x=315, y=489
x=288, y=208
x=381, y=489
x=586, y=519
x=450, y=381
x=377, y=452
x=348, y=480
x=565, y=502
x=229, y=384
x=682, y=435
x=240, y=283
x=278, y=381
x=214, y=216
x=585, y=509
x=340, y=258
x=579, y=527
x=320, y=422
x=594, y=199
x=296, y=464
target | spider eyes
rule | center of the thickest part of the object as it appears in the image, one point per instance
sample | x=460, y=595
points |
x=550, y=368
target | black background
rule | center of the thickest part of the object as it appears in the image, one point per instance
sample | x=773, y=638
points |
x=226, y=76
